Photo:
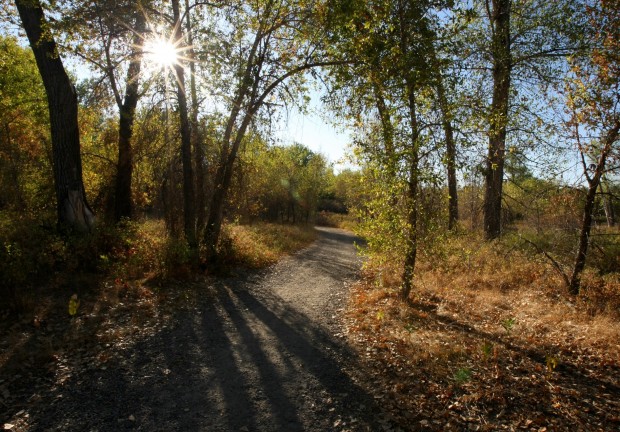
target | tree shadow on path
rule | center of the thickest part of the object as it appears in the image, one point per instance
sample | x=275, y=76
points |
x=245, y=360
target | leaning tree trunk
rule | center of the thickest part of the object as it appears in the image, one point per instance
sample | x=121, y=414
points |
x=586, y=225
x=189, y=214
x=502, y=63
x=123, y=202
x=229, y=149
x=584, y=239
x=73, y=210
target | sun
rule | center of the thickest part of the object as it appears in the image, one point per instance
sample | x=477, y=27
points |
x=161, y=52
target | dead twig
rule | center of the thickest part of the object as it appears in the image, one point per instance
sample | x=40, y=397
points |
x=556, y=264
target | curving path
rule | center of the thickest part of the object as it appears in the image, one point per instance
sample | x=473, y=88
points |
x=263, y=355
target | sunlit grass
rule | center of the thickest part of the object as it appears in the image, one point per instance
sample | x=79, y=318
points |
x=263, y=244
x=335, y=220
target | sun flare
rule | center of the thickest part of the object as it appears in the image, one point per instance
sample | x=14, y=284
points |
x=161, y=52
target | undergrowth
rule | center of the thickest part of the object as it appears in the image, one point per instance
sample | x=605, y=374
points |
x=489, y=340
x=337, y=220
x=119, y=284
x=262, y=244
x=36, y=260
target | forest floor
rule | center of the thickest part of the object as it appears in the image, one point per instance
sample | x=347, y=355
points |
x=475, y=350
x=304, y=345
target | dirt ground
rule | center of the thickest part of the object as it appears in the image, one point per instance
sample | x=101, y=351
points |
x=258, y=352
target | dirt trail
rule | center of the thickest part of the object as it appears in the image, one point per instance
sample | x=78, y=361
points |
x=263, y=355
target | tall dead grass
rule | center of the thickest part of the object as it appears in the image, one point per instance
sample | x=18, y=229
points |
x=482, y=334
x=496, y=291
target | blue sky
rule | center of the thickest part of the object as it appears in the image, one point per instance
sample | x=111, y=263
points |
x=316, y=132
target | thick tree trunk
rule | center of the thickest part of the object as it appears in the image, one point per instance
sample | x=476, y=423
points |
x=72, y=207
x=189, y=215
x=123, y=203
x=216, y=213
x=498, y=120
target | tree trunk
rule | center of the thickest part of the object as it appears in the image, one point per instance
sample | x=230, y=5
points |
x=387, y=128
x=498, y=120
x=216, y=213
x=586, y=225
x=223, y=180
x=584, y=239
x=197, y=137
x=123, y=204
x=73, y=210
x=229, y=151
x=189, y=215
x=446, y=122
x=412, y=198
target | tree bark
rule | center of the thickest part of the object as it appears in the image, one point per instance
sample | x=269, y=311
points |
x=586, y=225
x=73, y=210
x=123, y=203
x=446, y=122
x=502, y=64
x=197, y=137
x=189, y=214
x=412, y=197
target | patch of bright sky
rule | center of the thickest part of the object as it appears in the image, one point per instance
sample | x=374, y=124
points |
x=314, y=130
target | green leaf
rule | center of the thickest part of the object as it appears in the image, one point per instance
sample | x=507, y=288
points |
x=74, y=304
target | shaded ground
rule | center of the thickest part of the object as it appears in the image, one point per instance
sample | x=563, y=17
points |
x=259, y=352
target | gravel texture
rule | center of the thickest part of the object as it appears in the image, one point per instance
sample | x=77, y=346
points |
x=265, y=353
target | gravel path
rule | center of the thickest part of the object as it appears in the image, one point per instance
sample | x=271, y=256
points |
x=266, y=354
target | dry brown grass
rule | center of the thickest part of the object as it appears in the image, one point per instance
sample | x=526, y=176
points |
x=489, y=340
x=336, y=220
x=263, y=244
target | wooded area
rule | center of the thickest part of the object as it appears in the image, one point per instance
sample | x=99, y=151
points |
x=137, y=136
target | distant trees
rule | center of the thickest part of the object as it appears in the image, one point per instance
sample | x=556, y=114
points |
x=26, y=184
x=279, y=183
